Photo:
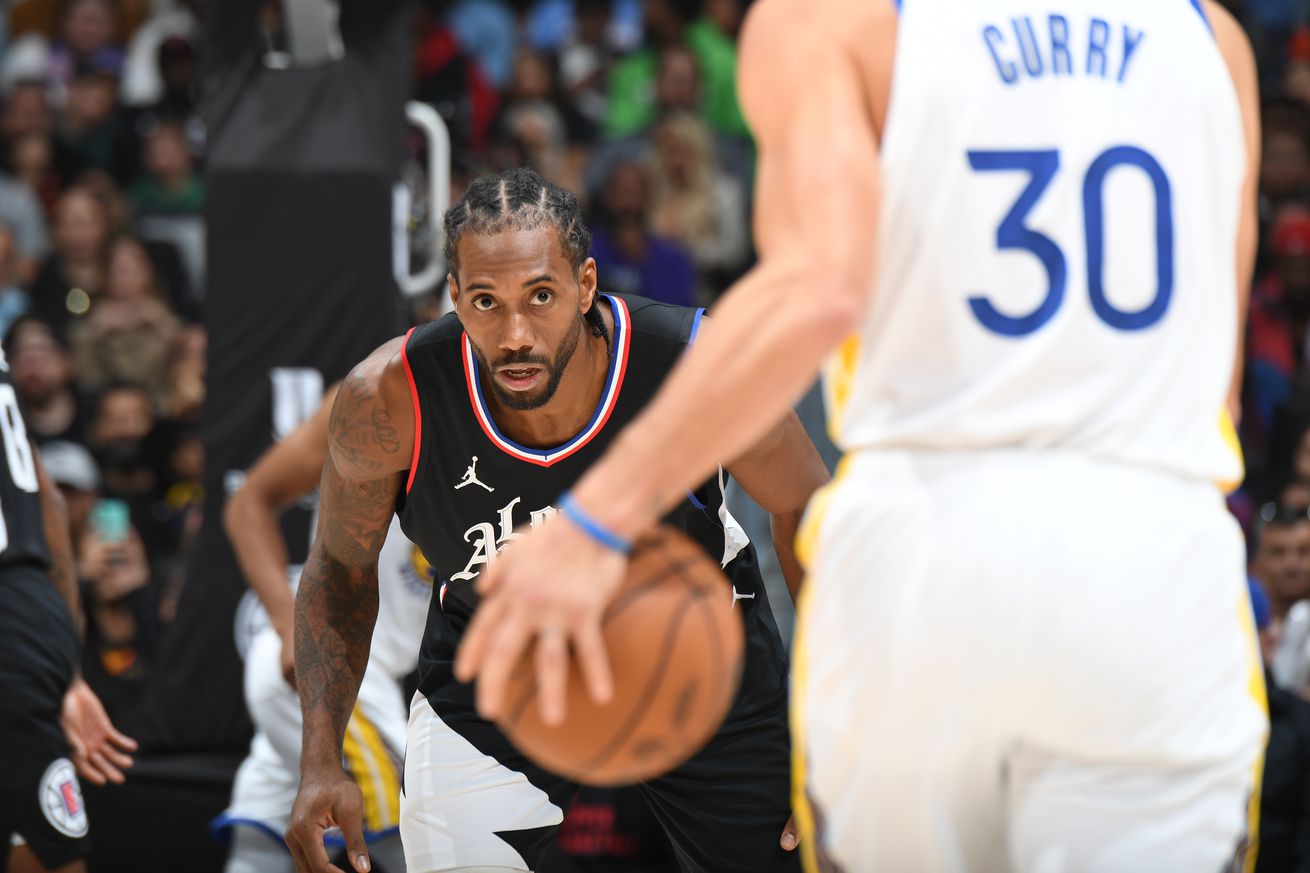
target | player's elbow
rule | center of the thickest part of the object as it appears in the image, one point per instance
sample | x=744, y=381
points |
x=836, y=310
x=236, y=511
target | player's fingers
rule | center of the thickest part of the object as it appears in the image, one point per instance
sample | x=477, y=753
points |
x=552, y=663
x=123, y=741
x=302, y=852
x=790, y=837
x=594, y=660
x=82, y=760
x=97, y=761
x=106, y=767
x=488, y=579
x=502, y=654
x=119, y=759
x=297, y=857
x=87, y=770
x=315, y=854
x=349, y=816
x=476, y=636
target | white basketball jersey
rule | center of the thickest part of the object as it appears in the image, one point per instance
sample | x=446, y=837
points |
x=404, y=593
x=1057, y=262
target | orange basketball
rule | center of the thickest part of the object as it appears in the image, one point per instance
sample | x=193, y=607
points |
x=675, y=649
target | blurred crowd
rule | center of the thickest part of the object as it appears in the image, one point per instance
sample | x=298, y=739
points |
x=102, y=241
x=629, y=103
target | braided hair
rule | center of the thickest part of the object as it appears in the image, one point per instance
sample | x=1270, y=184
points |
x=520, y=199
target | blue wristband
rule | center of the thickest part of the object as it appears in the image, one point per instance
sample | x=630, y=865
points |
x=591, y=527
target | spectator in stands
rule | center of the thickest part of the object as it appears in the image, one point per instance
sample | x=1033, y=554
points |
x=1296, y=77
x=28, y=147
x=539, y=126
x=179, y=68
x=638, y=87
x=1285, y=788
x=549, y=24
x=1285, y=161
x=129, y=334
x=146, y=74
x=42, y=370
x=26, y=110
x=172, y=272
x=629, y=256
x=184, y=388
x=93, y=127
x=1296, y=493
x=86, y=36
x=1278, y=319
x=695, y=204
x=171, y=185
x=585, y=60
x=713, y=39
x=531, y=135
x=676, y=91
x=485, y=29
x=32, y=160
x=182, y=511
x=74, y=273
x=1282, y=567
x=120, y=431
x=449, y=80
x=13, y=299
x=1282, y=557
x=22, y=212
x=121, y=618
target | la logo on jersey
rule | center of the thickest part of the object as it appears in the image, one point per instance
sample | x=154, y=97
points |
x=471, y=478
x=61, y=799
x=488, y=538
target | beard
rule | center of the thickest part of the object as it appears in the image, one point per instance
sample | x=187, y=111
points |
x=517, y=400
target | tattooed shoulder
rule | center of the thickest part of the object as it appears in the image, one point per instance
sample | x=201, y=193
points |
x=371, y=416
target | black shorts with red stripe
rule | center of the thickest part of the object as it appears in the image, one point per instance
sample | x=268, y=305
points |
x=40, y=797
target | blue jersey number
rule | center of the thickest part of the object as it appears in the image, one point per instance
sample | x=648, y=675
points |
x=1013, y=233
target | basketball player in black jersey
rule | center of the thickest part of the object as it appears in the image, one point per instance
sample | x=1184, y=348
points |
x=47, y=714
x=471, y=427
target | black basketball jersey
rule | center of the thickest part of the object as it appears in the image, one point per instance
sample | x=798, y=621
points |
x=22, y=532
x=470, y=487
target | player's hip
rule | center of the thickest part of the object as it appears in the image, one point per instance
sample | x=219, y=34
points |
x=1098, y=600
x=1008, y=503
x=38, y=643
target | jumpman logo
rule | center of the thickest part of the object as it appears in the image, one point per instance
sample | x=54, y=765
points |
x=736, y=596
x=471, y=477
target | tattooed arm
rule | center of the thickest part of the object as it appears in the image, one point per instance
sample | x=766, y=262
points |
x=54, y=518
x=370, y=435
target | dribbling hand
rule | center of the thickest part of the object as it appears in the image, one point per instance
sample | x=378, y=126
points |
x=551, y=586
x=326, y=801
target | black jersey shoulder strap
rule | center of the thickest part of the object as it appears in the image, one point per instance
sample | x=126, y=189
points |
x=663, y=321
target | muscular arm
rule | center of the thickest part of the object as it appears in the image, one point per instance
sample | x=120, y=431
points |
x=781, y=473
x=286, y=472
x=1236, y=49
x=370, y=434
x=54, y=518
x=817, y=217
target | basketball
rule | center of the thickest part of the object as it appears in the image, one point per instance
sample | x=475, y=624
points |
x=675, y=649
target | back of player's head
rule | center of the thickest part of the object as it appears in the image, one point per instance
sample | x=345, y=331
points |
x=517, y=200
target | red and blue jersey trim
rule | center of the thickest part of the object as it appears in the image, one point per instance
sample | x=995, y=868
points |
x=418, y=410
x=613, y=384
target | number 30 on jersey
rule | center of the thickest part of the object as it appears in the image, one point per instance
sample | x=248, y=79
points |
x=1014, y=233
